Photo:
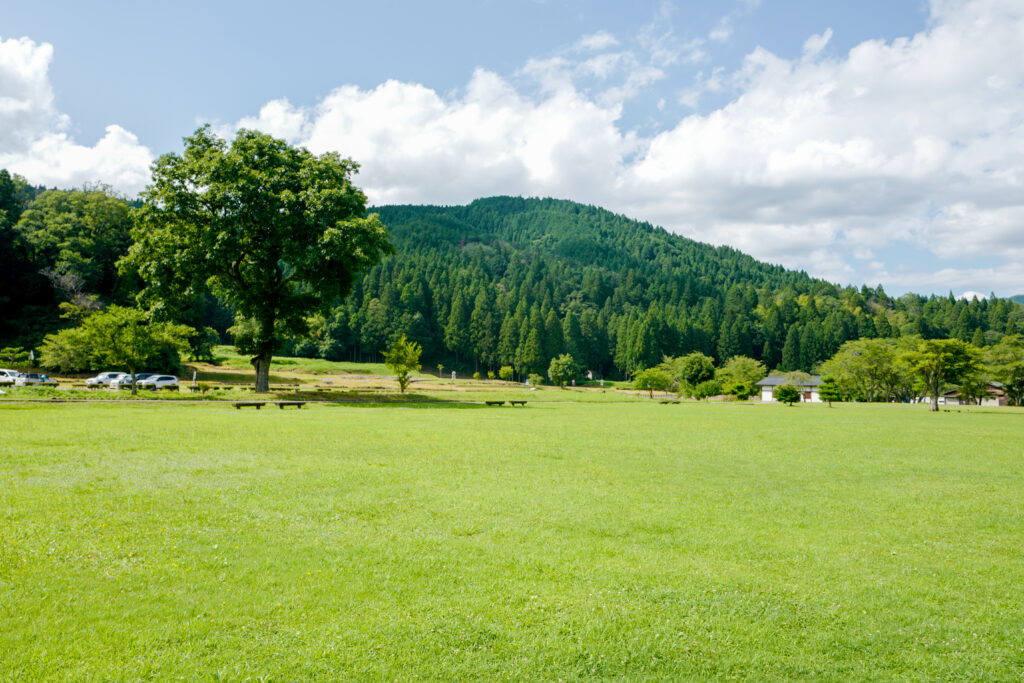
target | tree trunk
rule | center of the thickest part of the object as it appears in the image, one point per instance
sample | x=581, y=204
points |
x=934, y=408
x=264, y=353
x=262, y=365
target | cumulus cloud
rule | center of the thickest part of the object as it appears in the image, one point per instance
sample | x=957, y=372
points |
x=917, y=139
x=819, y=162
x=840, y=164
x=33, y=134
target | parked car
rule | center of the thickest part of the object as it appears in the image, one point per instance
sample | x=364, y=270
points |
x=7, y=377
x=158, y=382
x=125, y=382
x=29, y=378
x=103, y=379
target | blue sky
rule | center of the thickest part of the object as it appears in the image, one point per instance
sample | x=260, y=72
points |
x=873, y=142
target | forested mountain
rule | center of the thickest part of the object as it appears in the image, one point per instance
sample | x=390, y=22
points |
x=501, y=281
x=512, y=281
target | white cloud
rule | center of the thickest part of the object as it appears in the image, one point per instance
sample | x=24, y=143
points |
x=828, y=162
x=818, y=163
x=33, y=133
x=868, y=141
x=602, y=40
x=416, y=146
x=278, y=118
x=722, y=30
x=816, y=43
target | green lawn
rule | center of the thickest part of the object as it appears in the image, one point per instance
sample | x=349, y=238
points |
x=571, y=541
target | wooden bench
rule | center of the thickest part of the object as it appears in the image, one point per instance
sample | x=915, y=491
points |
x=665, y=403
x=495, y=403
x=249, y=404
x=297, y=404
x=517, y=403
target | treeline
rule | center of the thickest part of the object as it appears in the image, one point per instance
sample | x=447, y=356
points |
x=59, y=253
x=500, y=282
x=517, y=282
x=888, y=370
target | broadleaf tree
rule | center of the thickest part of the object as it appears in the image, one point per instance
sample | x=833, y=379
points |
x=119, y=337
x=563, y=370
x=939, y=362
x=1006, y=362
x=653, y=379
x=403, y=359
x=278, y=232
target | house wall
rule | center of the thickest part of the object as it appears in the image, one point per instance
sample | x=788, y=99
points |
x=767, y=394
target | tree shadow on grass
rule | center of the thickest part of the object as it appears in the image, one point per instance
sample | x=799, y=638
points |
x=358, y=400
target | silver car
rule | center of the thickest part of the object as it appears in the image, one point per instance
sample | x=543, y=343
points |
x=125, y=382
x=29, y=378
x=158, y=382
x=103, y=379
x=7, y=377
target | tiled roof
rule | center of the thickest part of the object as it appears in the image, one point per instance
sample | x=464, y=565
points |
x=778, y=380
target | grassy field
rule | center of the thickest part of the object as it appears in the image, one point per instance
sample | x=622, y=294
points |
x=556, y=541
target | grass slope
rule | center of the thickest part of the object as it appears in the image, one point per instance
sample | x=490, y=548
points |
x=555, y=541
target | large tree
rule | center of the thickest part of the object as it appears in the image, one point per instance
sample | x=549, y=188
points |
x=939, y=362
x=874, y=369
x=1006, y=362
x=275, y=230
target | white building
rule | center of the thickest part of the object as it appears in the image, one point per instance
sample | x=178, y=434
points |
x=808, y=387
x=994, y=396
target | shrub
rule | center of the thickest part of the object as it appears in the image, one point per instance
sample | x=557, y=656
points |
x=506, y=372
x=788, y=394
x=707, y=388
x=477, y=375
x=490, y=374
x=535, y=379
x=741, y=390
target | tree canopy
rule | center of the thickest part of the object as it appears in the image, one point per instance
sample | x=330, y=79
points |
x=119, y=337
x=939, y=362
x=653, y=379
x=563, y=370
x=403, y=359
x=274, y=230
x=1006, y=363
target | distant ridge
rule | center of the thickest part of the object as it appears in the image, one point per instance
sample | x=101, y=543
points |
x=1018, y=299
x=510, y=281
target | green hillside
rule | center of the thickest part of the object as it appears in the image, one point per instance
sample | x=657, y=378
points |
x=503, y=281
x=512, y=281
